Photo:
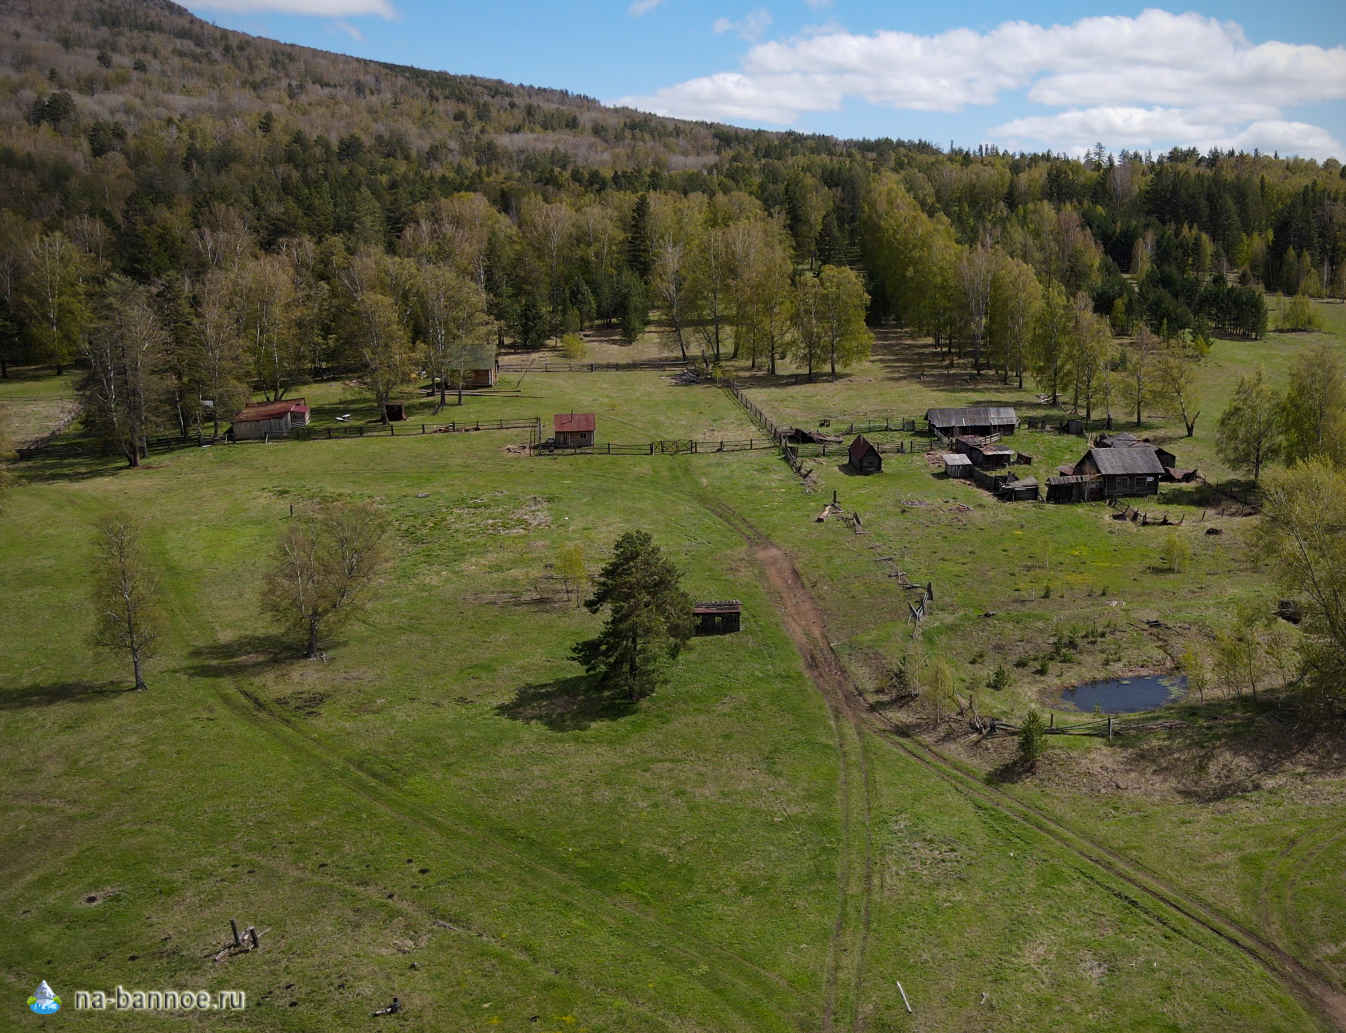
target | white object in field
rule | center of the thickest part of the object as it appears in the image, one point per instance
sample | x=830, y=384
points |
x=904, y=996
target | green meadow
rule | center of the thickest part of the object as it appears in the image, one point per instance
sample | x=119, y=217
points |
x=444, y=811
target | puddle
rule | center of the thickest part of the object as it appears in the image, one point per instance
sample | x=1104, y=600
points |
x=1127, y=695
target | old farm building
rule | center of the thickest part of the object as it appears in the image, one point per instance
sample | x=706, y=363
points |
x=573, y=429
x=479, y=366
x=717, y=618
x=1123, y=471
x=980, y=420
x=270, y=419
x=864, y=457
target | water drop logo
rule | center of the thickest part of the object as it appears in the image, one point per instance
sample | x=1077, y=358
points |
x=43, y=1001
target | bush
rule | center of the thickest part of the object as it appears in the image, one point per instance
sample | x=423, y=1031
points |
x=1032, y=741
x=1297, y=314
x=1000, y=679
x=572, y=346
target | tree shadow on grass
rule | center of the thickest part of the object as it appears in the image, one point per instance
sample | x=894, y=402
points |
x=244, y=656
x=60, y=692
x=1225, y=748
x=566, y=704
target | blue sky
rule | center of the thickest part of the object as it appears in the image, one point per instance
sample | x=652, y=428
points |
x=1042, y=75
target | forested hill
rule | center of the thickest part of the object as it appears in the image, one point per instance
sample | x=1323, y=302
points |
x=146, y=150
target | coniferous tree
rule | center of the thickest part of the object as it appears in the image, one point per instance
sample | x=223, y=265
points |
x=649, y=618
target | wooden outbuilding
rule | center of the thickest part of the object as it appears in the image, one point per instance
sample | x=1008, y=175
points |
x=1073, y=488
x=1025, y=490
x=979, y=420
x=395, y=412
x=270, y=419
x=956, y=464
x=574, y=429
x=480, y=367
x=1124, y=439
x=1123, y=471
x=717, y=618
x=988, y=455
x=864, y=457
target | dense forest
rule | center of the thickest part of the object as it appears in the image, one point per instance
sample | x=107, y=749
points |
x=191, y=214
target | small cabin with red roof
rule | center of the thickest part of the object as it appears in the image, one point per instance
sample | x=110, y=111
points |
x=270, y=419
x=573, y=429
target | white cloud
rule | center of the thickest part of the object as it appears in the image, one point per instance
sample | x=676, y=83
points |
x=349, y=29
x=1242, y=129
x=1128, y=81
x=321, y=8
x=642, y=7
x=750, y=27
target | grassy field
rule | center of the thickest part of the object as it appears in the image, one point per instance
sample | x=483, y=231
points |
x=442, y=812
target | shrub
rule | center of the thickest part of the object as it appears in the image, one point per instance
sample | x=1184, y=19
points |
x=1175, y=553
x=572, y=346
x=999, y=679
x=1032, y=741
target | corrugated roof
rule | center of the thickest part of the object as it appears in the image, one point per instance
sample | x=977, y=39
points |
x=972, y=416
x=955, y=459
x=1138, y=459
x=256, y=411
x=569, y=422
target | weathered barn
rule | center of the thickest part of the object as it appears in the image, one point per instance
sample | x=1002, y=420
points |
x=270, y=419
x=717, y=618
x=988, y=455
x=479, y=367
x=573, y=429
x=1123, y=439
x=803, y=436
x=1025, y=490
x=956, y=464
x=1073, y=488
x=982, y=420
x=864, y=457
x=1123, y=471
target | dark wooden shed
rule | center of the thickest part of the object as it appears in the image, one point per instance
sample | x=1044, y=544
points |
x=395, y=412
x=1073, y=488
x=864, y=457
x=574, y=429
x=717, y=618
x=989, y=455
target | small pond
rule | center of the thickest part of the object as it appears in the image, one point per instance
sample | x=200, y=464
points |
x=1127, y=695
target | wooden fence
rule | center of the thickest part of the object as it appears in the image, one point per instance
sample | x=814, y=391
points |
x=77, y=449
x=665, y=446
x=592, y=367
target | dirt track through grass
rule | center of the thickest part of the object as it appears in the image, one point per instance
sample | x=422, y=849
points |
x=806, y=625
x=855, y=874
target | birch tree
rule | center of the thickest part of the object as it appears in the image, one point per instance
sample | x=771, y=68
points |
x=125, y=591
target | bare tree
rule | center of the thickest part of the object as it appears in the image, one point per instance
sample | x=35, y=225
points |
x=975, y=269
x=120, y=395
x=323, y=568
x=125, y=594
